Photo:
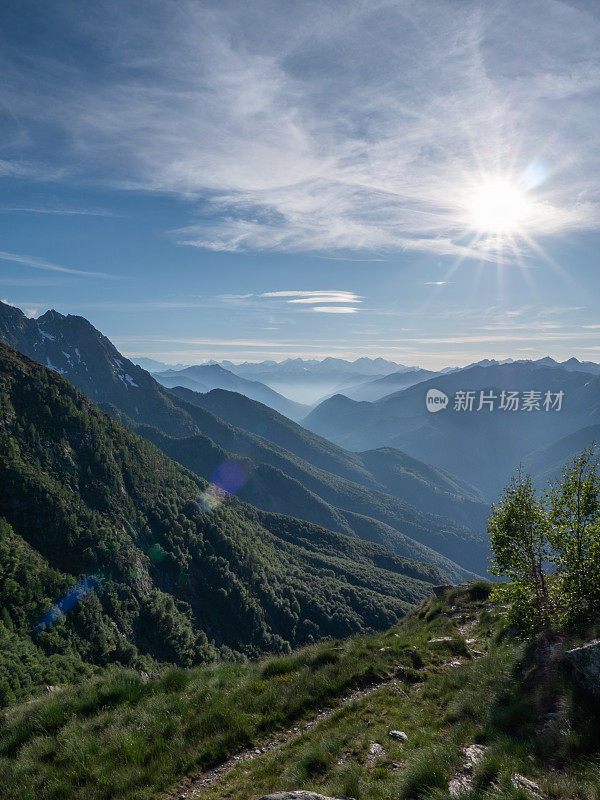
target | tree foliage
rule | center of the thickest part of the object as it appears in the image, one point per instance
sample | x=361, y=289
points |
x=547, y=546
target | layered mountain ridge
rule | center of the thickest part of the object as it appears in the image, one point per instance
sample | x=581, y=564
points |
x=480, y=446
x=186, y=430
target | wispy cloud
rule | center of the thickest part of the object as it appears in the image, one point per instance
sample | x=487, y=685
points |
x=17, y=169
x=345, y=127
x=29, y=309
x=316, y=299
x=40, y=263
x=336, y=309
x=319, y=296
x=63, y=212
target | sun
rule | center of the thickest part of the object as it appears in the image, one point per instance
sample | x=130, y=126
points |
x=499, y=207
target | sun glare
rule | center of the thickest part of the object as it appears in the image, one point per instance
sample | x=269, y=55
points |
x=499, y=207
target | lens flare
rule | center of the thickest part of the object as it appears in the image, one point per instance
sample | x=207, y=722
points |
x=226, y=480
x=228, y=477
x=67, y=603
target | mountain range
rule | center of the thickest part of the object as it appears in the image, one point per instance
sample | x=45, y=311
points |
x=204, y=377
x=308, y=380
x=317, y=482
x=314, y=381
x=481, y=447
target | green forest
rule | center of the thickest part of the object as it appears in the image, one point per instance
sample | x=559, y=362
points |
x=170, y=578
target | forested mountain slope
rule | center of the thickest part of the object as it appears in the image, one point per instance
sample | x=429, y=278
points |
x=386, y=470
x=167, y=580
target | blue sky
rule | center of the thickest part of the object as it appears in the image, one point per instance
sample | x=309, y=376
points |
x=263, y=180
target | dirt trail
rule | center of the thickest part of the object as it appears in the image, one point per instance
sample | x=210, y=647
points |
x=193, y=787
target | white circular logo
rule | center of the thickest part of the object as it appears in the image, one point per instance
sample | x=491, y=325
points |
x=435, y=400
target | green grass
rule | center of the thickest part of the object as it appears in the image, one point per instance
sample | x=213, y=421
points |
x=117, y=737
x=486, y=701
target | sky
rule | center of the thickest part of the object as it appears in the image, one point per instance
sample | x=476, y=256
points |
x=247, y=181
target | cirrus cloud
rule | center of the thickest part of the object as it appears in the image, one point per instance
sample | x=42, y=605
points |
x=317, y=127
x=318, y=298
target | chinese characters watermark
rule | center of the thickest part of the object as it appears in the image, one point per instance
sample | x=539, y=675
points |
x=490, y=400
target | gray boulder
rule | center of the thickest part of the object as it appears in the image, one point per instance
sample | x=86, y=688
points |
x=586, y=665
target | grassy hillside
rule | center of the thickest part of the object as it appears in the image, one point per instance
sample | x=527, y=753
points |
x=272, y=489
x=374, y=469
x=174, y=579
x=425, y=486
x=448, y=675
x=265, y=422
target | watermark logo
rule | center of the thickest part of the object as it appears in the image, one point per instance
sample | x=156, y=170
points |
x=436, y=400
x=490, y=400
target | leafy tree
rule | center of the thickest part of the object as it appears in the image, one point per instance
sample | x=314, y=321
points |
x=574, y=513
x=548, y=548
x=519, y=534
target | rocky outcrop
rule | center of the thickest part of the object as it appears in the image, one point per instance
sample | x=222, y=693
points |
x=585, y=662
x=296, y=796
x=462, y=782
x=521, y=782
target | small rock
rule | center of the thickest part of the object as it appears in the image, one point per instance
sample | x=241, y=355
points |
x=297, y=795
x=442, y=639
x=462, y=782
x=477, y=653
x=376, y=752
x=51, y=689
x=473, y=754
x=521, y=782
x=586, y=664
x=399, y=735
x=459, y=785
